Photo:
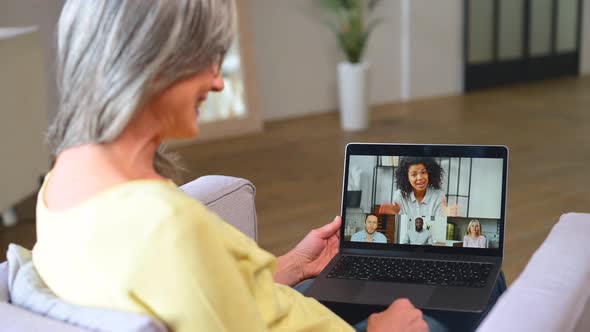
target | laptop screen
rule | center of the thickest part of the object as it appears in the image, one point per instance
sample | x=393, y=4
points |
x=433, y=197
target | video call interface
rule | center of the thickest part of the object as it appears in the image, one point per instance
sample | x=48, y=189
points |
x=426, y=201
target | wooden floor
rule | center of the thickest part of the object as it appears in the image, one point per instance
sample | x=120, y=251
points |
x=296, y=164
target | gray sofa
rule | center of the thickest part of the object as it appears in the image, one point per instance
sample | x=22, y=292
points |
x=552, y=293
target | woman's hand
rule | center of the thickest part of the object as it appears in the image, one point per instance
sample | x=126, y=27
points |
x=317, y=248
x=401, y=315
x=393, y=208
x=449, y=211
x=310, y=256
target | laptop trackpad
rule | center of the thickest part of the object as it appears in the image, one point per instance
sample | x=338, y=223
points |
x=384, y=293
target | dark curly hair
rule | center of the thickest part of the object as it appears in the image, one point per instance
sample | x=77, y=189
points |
x=435, y=173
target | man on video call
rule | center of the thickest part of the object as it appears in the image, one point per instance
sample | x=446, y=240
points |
x=369, y=234
x=418, y=235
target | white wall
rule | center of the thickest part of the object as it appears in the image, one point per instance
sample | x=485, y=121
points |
x=585, y=47
x=296, y=58
x=436, y=48
x=23, y=112
x=44, y=14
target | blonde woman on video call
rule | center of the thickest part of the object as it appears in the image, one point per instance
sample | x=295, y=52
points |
x=474, y=239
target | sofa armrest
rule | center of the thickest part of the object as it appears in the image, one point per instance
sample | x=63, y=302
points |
x=553, y=291
x=231, y=198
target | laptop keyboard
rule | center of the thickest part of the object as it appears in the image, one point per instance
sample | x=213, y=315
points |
x=415, y=271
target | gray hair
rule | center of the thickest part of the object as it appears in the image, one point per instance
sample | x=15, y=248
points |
x=110, y=53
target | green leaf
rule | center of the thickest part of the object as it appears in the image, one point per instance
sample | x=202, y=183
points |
x=349, y=23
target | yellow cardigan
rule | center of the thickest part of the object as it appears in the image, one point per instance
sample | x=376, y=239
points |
x=146, y=247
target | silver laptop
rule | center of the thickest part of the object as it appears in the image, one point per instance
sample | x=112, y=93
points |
x=424, y=222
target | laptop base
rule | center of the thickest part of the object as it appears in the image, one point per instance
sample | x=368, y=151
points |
x=374, y=294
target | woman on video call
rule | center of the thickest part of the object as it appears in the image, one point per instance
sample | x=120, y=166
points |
x=419, y=193
x=474, y=239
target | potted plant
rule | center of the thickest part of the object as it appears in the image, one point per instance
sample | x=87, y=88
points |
x=352, y=23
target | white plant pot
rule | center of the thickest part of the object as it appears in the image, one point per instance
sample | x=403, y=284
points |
x=354, y=98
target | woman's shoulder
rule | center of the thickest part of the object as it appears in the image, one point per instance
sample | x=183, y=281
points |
x=146, y=194
x=165, y=211
x=144, y=199
x=158, y=195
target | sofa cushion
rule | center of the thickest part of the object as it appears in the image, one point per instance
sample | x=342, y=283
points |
x=28, y=291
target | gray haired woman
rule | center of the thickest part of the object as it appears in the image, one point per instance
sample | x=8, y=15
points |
x=112, y=230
